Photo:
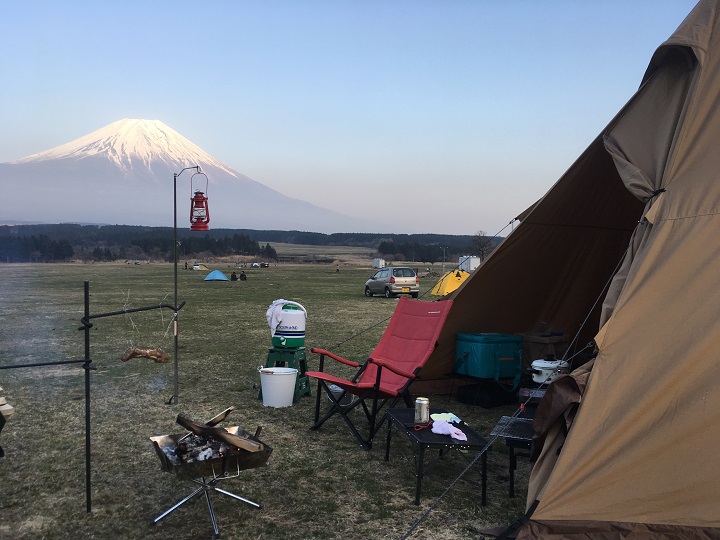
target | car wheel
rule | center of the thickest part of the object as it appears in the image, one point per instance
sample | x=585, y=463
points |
x=414, y=295
x=388, y=294
x=368, y=293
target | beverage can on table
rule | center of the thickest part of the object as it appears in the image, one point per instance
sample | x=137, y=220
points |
x=422, y=410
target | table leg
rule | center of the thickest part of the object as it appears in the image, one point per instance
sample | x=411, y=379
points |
x=419, y=474
x=483, y=498
x=513, y=465
x=389, y=436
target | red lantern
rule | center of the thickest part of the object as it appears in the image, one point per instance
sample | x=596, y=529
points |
x=199, y=211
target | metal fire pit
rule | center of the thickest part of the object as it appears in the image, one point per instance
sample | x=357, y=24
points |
x=230, y=463
x=207, y=457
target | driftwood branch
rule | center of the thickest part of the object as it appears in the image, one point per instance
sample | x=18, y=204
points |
x=157, y=355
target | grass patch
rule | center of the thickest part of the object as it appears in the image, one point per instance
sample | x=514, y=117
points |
x=316, y=485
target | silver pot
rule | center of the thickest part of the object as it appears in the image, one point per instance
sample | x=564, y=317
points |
x=545, y=371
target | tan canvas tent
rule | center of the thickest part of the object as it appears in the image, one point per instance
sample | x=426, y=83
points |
x=624, y=251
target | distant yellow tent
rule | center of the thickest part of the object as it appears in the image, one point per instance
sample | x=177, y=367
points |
x=449, y=282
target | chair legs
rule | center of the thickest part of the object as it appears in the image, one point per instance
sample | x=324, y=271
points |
x=371, y=412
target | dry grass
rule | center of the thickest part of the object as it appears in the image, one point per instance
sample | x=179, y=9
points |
x=316, y=485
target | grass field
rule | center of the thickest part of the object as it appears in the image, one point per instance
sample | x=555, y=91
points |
x=317, y=484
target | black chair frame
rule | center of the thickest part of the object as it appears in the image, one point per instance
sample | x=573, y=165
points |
x=371, y=411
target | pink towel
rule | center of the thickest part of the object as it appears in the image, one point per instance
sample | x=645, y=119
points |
x=446, y=428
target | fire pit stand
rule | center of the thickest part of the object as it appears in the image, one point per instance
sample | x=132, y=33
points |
x=217, y=466
x=205, y=487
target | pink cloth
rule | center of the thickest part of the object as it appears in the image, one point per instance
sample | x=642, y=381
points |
x=442, y=427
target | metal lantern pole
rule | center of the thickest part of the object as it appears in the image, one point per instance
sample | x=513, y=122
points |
x=174, y=398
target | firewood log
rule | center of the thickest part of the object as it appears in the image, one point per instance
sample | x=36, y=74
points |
x=218, y=433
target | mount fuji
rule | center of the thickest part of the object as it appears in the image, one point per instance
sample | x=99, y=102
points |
x=122, y=174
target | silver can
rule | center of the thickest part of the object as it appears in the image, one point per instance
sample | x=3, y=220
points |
x=422, y=410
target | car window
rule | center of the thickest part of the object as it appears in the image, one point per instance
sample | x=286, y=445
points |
x=403, y=272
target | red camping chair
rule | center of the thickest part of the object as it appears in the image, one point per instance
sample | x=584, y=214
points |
x=384, y=378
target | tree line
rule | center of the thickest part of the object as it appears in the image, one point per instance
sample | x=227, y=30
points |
x=62, y=243
x=67, y=242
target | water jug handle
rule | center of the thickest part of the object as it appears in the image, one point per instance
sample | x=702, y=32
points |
x=298, y=305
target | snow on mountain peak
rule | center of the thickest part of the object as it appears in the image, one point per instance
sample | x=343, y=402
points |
x=133, y=143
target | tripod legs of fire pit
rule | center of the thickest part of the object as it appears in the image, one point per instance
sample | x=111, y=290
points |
x=238, y=497
x=206, y=487
x=212, y=513
x=178, y=505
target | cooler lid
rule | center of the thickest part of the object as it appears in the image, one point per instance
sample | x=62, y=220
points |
x=490, y=337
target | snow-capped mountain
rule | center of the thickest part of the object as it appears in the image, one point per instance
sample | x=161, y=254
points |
x=123, y=174
x=144, y=141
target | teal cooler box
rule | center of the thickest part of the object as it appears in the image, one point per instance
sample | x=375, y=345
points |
x=489, y=356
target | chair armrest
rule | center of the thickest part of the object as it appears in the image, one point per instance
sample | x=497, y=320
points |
x=340, y=359
x=394, y=369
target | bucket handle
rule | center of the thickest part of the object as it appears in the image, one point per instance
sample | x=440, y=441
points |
x=269, y=371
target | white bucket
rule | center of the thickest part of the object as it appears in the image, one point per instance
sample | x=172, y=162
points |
x=278, y=386
x=348, y=399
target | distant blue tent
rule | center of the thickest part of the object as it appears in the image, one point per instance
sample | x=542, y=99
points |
x=216, y=275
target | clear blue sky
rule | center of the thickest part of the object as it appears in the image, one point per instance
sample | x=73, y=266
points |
x=448, y=116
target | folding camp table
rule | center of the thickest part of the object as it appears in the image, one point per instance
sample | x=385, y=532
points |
x=424, y=439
